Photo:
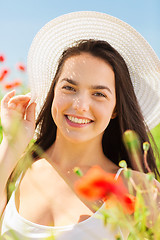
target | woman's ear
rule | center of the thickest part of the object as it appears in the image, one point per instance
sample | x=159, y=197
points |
x=114, y=114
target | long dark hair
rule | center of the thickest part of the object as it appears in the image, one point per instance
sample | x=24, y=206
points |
x=129, y=115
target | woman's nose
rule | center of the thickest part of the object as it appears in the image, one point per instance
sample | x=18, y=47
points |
x=81, y=103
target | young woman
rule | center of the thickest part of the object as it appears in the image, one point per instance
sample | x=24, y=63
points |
x=85, y=100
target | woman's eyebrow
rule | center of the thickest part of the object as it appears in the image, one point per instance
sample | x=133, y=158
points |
x=73, y=82
x=101, y=87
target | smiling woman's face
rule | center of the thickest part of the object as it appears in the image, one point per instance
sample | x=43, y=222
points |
x=84, y=98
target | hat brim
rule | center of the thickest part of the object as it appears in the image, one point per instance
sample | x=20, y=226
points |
x=64, y=31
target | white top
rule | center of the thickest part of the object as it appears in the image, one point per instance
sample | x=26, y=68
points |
x=17, y=227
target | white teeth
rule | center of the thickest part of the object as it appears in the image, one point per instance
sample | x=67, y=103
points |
x=78, y=120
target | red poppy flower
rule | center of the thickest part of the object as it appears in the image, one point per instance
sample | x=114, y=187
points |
x=13, y=84
x=17, y=83
x=127, y=202
x=3, y=74
x=21, y=67
x=8, y=86
x=2, y=58
x=97, y=184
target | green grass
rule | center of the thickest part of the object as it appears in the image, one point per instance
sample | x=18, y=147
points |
x=156, y=134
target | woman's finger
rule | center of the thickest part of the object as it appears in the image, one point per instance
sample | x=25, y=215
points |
x=6, y=98
x=12, y=105
x=19, y=105
x=19, y=99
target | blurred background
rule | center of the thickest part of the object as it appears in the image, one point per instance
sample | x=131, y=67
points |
x=20, y=21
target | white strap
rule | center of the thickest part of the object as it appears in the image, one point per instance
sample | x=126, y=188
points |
x=118, y=173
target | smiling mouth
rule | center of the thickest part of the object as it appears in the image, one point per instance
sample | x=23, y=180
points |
x=78, y=120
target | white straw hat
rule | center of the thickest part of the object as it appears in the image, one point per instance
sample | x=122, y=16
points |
x=62, y=32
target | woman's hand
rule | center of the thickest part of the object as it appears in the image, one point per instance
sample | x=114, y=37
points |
x=17, y=118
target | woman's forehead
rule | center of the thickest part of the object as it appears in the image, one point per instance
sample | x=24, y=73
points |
x=89, y=70
x=86, y=63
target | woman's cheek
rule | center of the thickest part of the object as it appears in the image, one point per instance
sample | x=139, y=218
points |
x=59, y=105
x=103, y=113
x=103, y=109
x=54, y=111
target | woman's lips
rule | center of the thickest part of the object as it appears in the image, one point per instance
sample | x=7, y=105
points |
x=77, y=121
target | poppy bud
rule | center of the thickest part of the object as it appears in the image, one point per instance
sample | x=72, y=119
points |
x=2, y=58
x=21, y=67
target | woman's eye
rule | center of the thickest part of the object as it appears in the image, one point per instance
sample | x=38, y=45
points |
x=69, y=88
x=99, y=94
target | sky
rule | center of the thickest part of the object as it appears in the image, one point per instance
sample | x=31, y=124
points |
x=21, y=20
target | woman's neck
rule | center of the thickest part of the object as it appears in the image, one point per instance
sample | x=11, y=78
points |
x=67, y=155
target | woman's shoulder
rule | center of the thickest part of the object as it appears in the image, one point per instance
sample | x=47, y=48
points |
x=149, y=189
x=143, y=178
x=143, y=183
x=38, y=174
x=36, y=181
x=40, y=164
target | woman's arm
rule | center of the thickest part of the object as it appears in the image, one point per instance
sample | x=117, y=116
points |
x=8, y=158
x=18, y=122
